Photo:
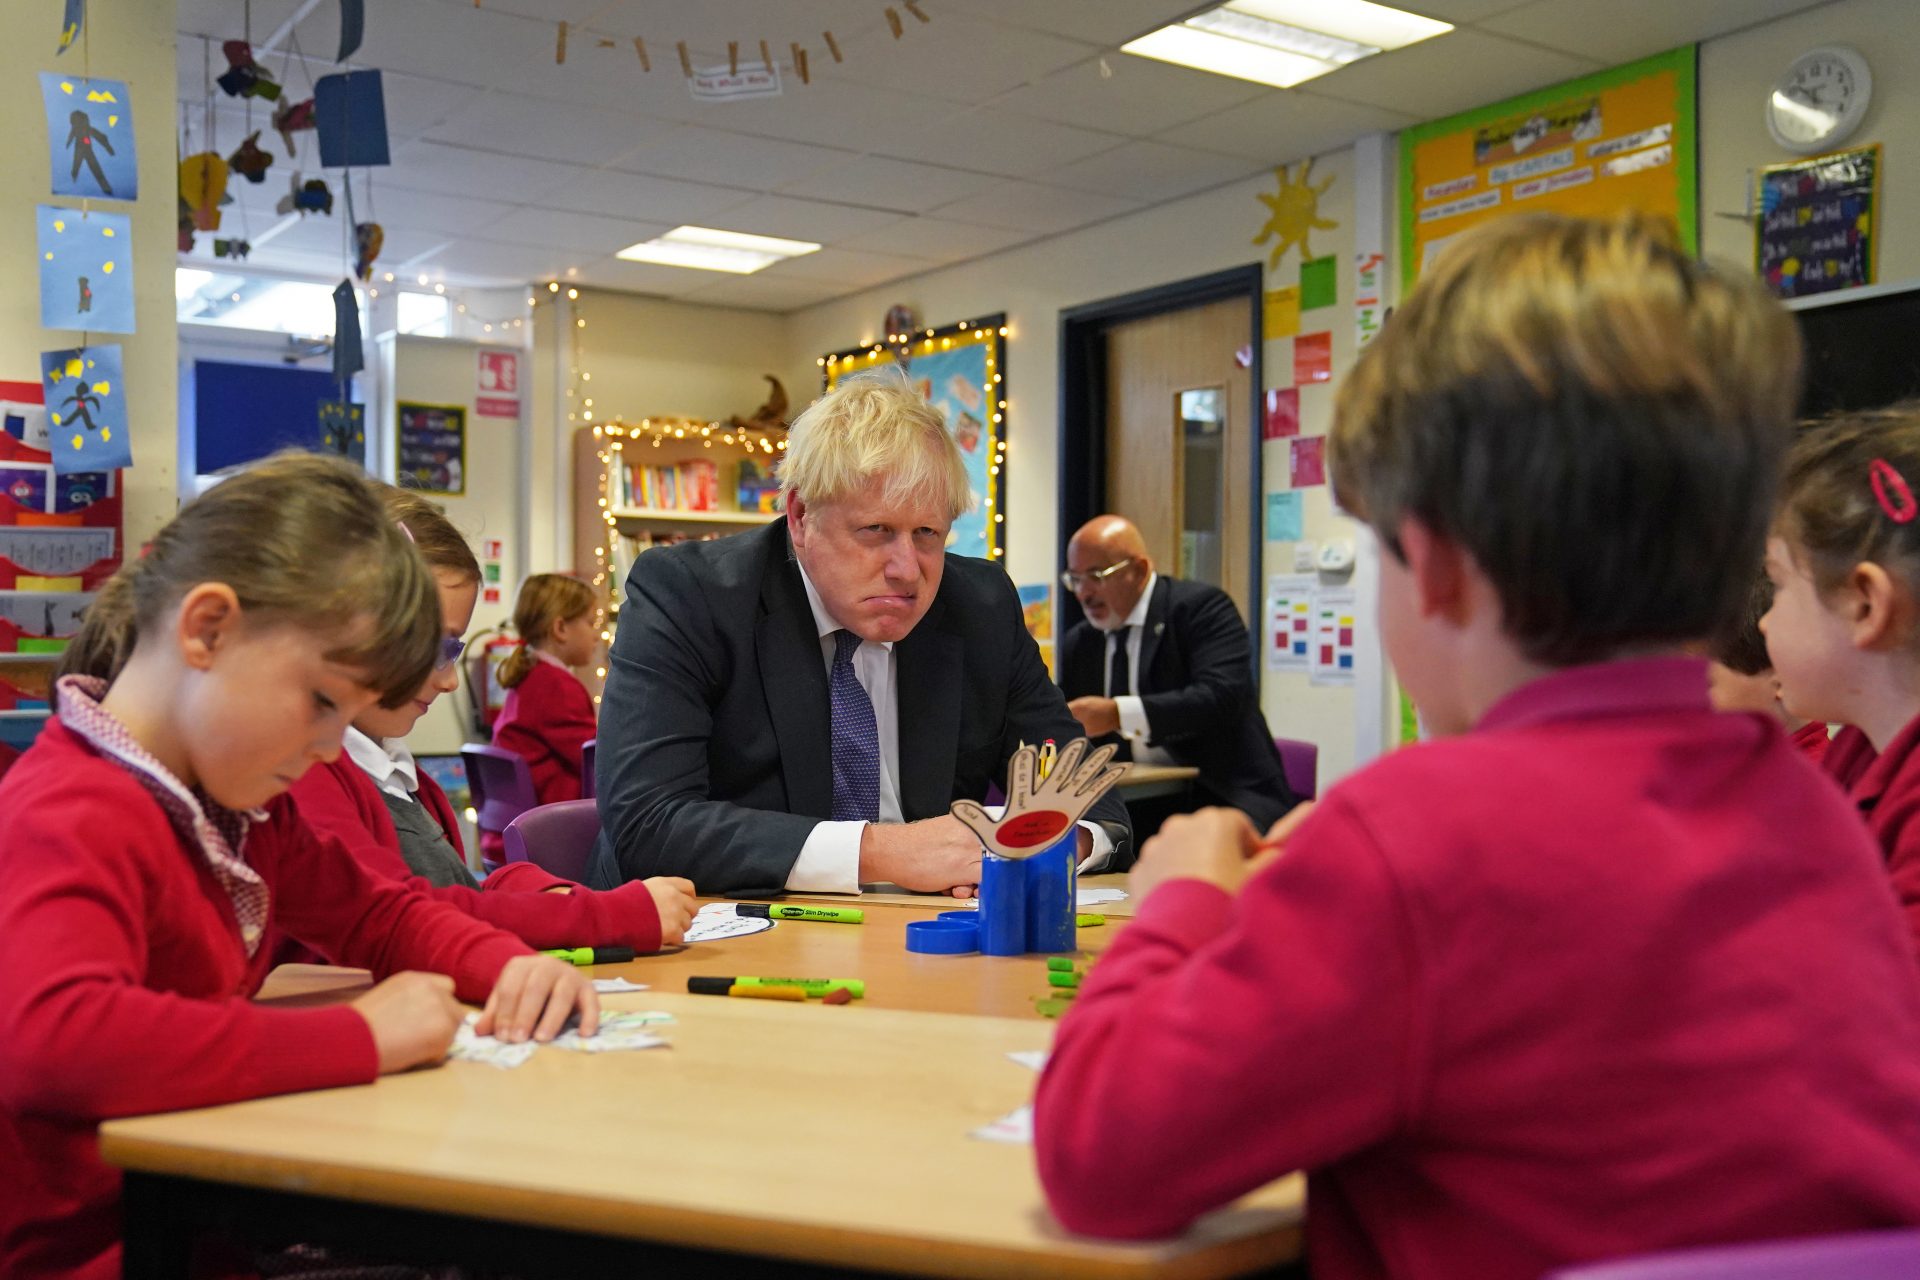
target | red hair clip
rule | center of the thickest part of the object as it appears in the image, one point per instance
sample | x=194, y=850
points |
x=1891, y=492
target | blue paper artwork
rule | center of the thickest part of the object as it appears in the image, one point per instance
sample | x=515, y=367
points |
x=86, y=270
x=350, y=117
x=71, y=23
x=954, y=382
x=90, y=136
x=86, y=409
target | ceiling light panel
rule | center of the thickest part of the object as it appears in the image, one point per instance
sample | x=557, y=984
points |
x=712, y=249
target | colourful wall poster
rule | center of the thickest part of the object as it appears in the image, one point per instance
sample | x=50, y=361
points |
x=1282, y=315
x=86, y=270
x=86, y=409
x=1036, y=608
x=1336, y=622
x=1607, y=143
x=432, y=447
x=1313, y=358
x=89, y=137
x=1317, y=285
x=1282, y=413
x=1290, y=621
x=1816, y=223
x=1284, y=523
x=1307, y=461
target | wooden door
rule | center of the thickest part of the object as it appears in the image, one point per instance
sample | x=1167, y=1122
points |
x=1181, y=479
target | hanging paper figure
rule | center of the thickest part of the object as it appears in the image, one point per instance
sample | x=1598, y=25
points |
x=243, y=76
x=184, y=238
x=235, y=249
x=81, y=138
x=71, y=22
x=203, y=186
x=292, y=117
x=311, y=196
x=90, y=145
x=367, y=239
x=86, y=409
x=86, y=269
x=86, y=296
x=249, y=161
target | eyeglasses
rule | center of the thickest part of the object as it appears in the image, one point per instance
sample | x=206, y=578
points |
x=1074, y=581
x=451, y=647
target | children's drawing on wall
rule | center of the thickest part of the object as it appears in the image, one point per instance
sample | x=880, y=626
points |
x=86, y=408
x=90, y=136
x=71, y=23
x=1293, y=213
x=86, y=270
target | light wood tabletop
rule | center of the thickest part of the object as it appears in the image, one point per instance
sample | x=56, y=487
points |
x=1122, y=909
x=1146, y=781
x=826, y=1136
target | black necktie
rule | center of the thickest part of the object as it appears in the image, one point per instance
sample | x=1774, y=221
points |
x=1120, y=670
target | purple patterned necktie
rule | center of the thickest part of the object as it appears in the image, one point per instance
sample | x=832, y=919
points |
x=856, y=738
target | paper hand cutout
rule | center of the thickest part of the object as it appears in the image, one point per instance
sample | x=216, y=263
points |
x=1039, y=810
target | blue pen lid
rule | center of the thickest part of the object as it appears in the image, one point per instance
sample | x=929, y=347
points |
x=943, y=937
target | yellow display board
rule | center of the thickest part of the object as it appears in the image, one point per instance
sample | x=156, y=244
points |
x=1610, y=142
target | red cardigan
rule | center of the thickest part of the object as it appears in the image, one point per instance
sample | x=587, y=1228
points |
x=340, y=800
x=127, y=986
x=1614, y=973
x=548, y=718
x=1885, y=787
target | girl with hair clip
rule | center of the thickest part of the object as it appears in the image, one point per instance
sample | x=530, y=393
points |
x=400, y=824
x=150, y=851
x=549, y=715
x=1844, y=629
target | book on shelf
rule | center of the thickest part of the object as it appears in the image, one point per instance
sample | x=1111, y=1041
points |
x=626, y=548
x=693, y=485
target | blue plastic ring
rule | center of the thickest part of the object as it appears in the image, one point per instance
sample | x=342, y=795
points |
x=941, y=937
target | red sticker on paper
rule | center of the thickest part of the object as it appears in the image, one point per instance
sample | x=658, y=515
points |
x=1030, y=829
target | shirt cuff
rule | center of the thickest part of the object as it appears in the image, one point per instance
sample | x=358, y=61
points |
x=1133, y=718
x=829, y=861
x=1096, y=859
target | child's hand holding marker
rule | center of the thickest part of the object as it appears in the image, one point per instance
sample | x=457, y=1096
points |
x=1216, y=845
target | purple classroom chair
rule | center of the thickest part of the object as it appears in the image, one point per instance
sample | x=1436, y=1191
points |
x=1300, y=761
x=587, y=788
x=502, y=787
x=557, y=838
x=1863, y=1255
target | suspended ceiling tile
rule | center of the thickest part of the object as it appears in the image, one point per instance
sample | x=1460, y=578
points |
x=833, y=113
x=516, y=125
x=941, y=240
x=437, y=166
x=222, y=19
x=700, y=154
x=881, y=182
x=794, y=219
x=1030, y=206
x=1139, y=96
x=856, y=268
x=628, y=195
x=990, y=140
x=1152, y=172
x=494, y=260
x=1460, y=11
x=1108, y=22
x=1632, y=29
x=1284, y=126
x=640, y=277
x=760, y=294
x=953, y=57
x=1449, y=73
x=584, y=233
x=427, y=211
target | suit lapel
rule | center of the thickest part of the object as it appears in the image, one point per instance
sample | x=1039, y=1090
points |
x=928, y=666
x=1156, y=624
x=793, y=676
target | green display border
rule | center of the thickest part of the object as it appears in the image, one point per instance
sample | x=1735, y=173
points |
x=1683, y=62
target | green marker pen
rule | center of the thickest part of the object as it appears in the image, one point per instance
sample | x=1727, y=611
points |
x=1060, y=964
x=816, y=987
x=1057, y=979
x=784, y=911
x=591, y=955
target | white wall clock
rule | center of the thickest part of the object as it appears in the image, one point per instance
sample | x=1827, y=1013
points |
x=1819, y=100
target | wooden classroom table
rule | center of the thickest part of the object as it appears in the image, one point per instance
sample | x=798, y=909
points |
x=1149, y=781
x=893, y=897
x=797, y=1139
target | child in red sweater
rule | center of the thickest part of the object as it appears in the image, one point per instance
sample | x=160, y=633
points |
x=150, y=851
x=549, y=714
x=1741, y=676
x=400, y=824
x=1600, y=971
x=1844, y=631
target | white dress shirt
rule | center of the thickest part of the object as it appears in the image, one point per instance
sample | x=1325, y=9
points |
x=1133, y=713
x=387, y=762
x=829, y=861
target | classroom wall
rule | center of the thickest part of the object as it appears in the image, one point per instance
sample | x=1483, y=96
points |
x=1737, y=73
x=129, y=40
x=1190, y=237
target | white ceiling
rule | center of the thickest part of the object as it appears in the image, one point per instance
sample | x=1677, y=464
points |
x=997, y=123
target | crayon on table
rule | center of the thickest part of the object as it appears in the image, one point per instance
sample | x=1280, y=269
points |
x=767, y=993
x=788, y=911
x=1057, y=979
x=718, y=986
x=591, y=955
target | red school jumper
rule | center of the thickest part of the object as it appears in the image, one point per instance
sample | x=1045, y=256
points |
x=1885, y=788
x=128, y=977
x=1613, y=973
x=341, y=801
x=548, y=718
x=1812, y=740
